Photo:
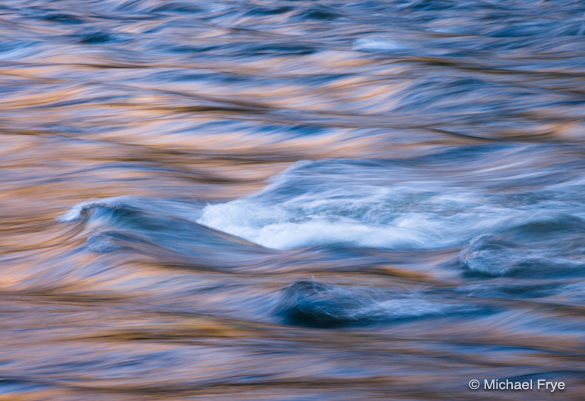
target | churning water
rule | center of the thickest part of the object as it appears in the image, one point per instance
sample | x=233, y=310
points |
x=291, y=200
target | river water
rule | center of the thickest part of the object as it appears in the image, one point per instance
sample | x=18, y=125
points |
x=291, y=200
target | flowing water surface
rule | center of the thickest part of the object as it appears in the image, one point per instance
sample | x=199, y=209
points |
x=291, y=200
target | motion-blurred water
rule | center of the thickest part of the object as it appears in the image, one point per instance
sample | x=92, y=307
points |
x=291, y=200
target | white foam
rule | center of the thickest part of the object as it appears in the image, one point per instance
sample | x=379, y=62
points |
x=310, y=205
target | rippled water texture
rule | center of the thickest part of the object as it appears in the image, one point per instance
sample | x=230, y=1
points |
x=291, y=200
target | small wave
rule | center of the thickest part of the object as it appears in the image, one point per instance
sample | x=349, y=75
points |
x=163, y=229
x=313, y=304
x=546, y=244
x=80, y=209
x=188, y=211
